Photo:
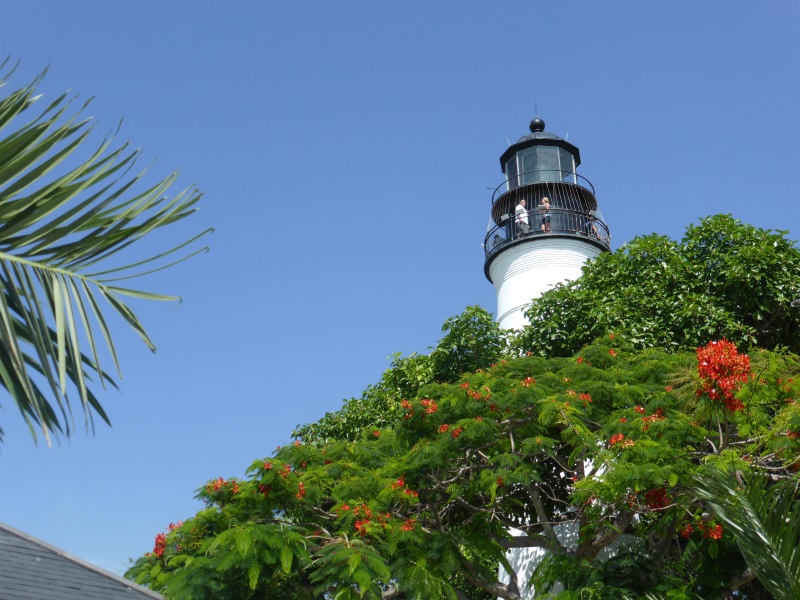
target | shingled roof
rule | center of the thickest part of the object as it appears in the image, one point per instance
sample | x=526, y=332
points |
x=33, y=570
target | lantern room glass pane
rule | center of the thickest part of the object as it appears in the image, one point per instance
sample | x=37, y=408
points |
x=540, y=163
x=512, y=181
x=567, y=165
x=528, y=165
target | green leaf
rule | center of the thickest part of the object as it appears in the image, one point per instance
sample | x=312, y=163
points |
x=243, y=541
x=765, y=520
x=672, y=480
x=253, y=573
x=286, y=559
x=61, y=213
x=354, y=561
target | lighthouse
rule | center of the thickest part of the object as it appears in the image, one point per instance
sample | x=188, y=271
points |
x=545, y=223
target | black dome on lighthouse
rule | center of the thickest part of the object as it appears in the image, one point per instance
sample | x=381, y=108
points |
x=539, y=137
x=536, y=125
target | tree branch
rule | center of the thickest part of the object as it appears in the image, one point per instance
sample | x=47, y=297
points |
x=542, y=515
x=742, y=579
x=610, y=533
x=509, y=591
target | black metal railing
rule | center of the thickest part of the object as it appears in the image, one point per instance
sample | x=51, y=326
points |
x=541, y=176
x=546, y=221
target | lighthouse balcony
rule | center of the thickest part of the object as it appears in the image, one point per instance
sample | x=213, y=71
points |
x=541, y=222
x=556, y=203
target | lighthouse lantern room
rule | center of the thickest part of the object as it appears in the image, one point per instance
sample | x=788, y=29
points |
x=545, y=223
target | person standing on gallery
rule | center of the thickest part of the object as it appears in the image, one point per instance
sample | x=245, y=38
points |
x=521, y=218
x=544, y=207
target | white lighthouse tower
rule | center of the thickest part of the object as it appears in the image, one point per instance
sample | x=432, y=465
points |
x=545, y=223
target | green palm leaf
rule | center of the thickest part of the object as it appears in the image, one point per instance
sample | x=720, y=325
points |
x=764, y=517
x=66, y=233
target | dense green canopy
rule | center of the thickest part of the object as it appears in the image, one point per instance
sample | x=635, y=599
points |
x=724, y=279
x=412, y=490
x=610, y=440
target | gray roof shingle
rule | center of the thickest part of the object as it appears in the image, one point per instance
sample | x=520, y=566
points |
x=33, y=570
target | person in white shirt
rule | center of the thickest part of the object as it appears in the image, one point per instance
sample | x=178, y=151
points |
x=521, y=217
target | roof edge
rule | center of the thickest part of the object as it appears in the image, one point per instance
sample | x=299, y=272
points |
x=80, y=562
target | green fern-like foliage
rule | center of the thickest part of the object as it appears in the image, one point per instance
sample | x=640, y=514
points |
x=764, y=517
x=71, y=239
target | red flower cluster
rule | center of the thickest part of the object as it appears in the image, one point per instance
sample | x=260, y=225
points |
x=713, y=532
x=220, y=483
x=161, y=543
x=408, y=525
x=456, y=432
x=443, y=428
x=722, y=372
x=465, y=386
x=376, y=433
x=657, y=498
x=612, y=352
x=528, y=381
x=616, y=439
x=301, y=490
x=657, y=416
x=409, y=409
x=367, y=518
x=400, y=484
x=161, y=540
x=430, y=406
x=265, y=489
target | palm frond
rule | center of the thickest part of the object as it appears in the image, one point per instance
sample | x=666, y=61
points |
x=764, y=517
x=62, y=217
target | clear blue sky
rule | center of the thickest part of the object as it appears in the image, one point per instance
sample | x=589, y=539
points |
x=346, y=150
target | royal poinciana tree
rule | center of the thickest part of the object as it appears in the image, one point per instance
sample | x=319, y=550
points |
x=622, y=442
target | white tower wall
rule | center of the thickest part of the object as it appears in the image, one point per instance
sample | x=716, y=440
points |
x=526, y=270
